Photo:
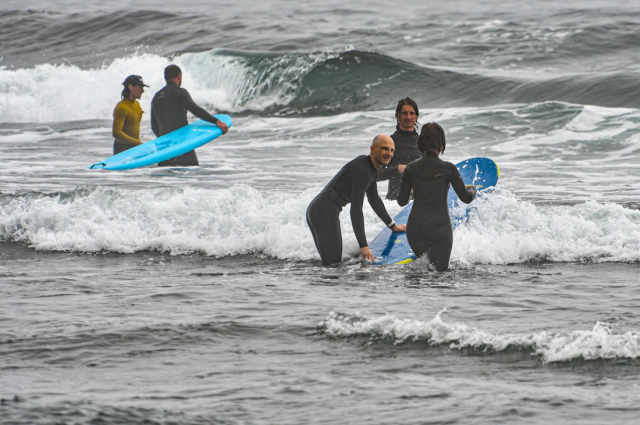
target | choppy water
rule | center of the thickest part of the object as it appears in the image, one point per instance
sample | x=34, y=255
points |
x=196, y=296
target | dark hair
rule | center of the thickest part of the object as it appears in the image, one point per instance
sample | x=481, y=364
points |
x=407, y=101
x=171, y=72
x=432, y=138
x=132, y=80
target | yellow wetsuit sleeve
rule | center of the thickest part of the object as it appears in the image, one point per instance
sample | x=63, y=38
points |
x=126, y=122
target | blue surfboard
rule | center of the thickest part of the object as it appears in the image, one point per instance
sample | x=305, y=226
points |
x=169, y=146
x=393, y=248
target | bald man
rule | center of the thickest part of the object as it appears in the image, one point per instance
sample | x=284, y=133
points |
x=355, y=179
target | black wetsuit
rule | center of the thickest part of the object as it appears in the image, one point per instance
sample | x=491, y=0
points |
x=169, y=112
x=406, y=151
x=355, y=179
x=121, y=147
x=429, y=227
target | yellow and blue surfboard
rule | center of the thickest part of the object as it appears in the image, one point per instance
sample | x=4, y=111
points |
x=393, y=248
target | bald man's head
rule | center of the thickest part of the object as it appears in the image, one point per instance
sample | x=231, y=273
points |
x=381, y=138
x=382, y=150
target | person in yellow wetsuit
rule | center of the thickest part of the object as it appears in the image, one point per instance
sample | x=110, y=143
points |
x=127, y=115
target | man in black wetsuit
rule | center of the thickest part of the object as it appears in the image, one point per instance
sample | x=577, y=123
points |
x=406, y=141
x=169, y=112
x=355, y=179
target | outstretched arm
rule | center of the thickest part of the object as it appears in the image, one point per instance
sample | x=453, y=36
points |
x=187, y=103
x=378, y=207
x=465, y=194
x=357, y=217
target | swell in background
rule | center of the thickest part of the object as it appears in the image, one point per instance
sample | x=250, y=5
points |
x=62, y=64
x=289, y=84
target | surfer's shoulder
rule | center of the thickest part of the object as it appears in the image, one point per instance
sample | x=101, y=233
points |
x=125, y=106
x=449, y=166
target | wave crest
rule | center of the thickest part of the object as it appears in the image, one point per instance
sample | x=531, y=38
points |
x=597, y=344
x=299, y=84
x=242, y=220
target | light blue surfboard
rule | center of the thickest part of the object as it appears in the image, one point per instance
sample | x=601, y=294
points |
x=169, y=146
x=393, y=248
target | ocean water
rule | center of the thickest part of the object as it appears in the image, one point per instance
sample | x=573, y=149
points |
x=196, y=295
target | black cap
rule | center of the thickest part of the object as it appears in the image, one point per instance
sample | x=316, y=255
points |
x=134, y=80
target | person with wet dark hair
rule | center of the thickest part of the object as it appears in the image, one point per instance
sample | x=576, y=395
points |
x=406, y=141
x=169, y=112
x=355, y=179
x=429, y=229
x=127, y=115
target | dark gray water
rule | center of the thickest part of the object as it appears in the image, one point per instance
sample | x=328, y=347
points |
x=196, y=296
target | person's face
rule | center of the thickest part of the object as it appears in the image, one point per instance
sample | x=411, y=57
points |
x=407, y=118
x=179, y=80
x=135, y=91
x=383, y=152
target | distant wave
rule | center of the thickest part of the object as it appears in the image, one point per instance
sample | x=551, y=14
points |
x=574, y=36
x=242, y=220
x=599, y=343
x=91, y=39
x=299, y=84
x=336, y=82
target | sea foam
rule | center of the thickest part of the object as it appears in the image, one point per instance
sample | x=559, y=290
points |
x=594, y=344
x=499, y=229
x=219, y=80
x=502, y=229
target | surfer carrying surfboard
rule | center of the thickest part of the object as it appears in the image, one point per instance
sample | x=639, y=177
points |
x=406, y=141
x=353, y=181
x=127, y=115
x=169, y=112
x=429, y=229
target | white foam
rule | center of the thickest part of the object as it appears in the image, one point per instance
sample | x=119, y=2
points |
x=496, y=23
x=590, y=118
x=216, y=80
x=598, y=343
x=503, y=230
x=591, y=124
x=242, y=220
x=54, y=93
x=238, y=220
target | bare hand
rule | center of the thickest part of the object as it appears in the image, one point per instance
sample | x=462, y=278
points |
x=398, y=228
x=366, y=254
x=222, y=126
x=401, y=168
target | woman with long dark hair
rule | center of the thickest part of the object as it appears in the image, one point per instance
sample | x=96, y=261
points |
x=429, y=229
